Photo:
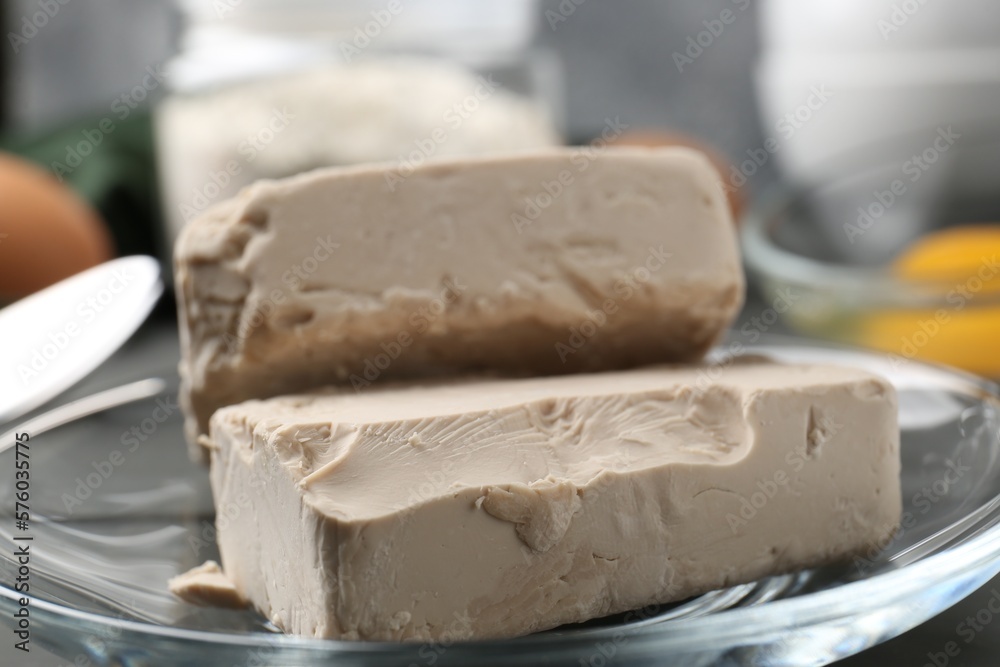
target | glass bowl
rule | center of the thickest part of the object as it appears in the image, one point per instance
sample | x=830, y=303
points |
x=117, y=509
x=822, y=257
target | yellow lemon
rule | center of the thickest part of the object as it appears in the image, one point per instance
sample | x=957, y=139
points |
x=962, y=265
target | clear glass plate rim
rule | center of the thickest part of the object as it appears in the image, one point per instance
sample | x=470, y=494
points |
x=979, y=554
x=814, y=608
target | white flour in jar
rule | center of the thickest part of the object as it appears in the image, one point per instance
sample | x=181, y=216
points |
x=214, y=142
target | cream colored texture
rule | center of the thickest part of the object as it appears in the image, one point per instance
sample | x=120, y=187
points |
x=497, y=508
x=206, y=584
x=349, y=276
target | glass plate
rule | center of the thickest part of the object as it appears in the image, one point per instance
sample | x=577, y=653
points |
x=117, y=509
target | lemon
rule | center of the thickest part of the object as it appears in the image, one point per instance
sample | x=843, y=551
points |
x=963, y=264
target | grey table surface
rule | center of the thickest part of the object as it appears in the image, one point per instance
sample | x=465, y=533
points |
x=926, y=644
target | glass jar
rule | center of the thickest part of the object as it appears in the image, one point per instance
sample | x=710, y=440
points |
x=269, y=88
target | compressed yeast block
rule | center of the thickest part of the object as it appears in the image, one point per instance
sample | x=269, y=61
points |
x=534, y=263
x=496, y=508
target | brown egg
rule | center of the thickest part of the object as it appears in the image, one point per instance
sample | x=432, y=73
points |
x=47, y=232
x=662, y=137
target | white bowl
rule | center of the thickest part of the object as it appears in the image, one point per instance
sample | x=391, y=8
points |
x=897, y=72
x=886, y=107
x=855, y=26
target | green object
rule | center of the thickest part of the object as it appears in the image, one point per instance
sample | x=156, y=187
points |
x=110, y=161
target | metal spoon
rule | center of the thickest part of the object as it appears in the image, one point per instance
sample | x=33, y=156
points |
x=52, y=339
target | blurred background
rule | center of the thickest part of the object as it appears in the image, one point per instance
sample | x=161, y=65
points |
x=200, y=78
x=858, y=140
